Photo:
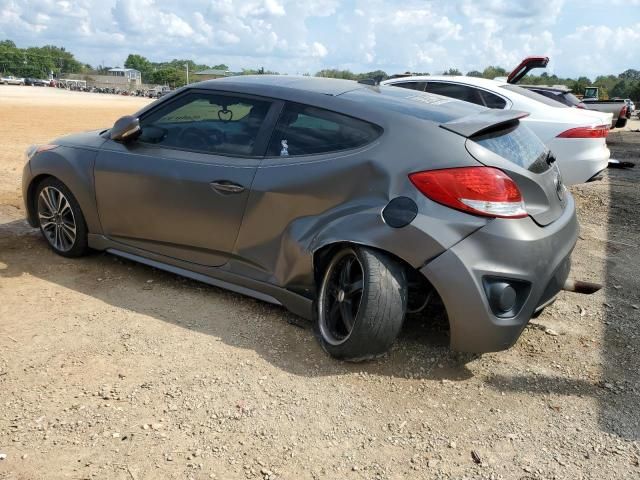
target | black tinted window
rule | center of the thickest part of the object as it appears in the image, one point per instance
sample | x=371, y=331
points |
x=517, y=144
x=420, y=86
x=455, y=90
x=492, y=101
x=304, y=130
x=566, y=98
x=209, y=123
x=530, y=94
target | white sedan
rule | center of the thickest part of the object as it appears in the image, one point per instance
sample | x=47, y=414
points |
x=577, y=138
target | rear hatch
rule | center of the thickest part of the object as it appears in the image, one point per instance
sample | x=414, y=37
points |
x=496, y=138
x=525, y=66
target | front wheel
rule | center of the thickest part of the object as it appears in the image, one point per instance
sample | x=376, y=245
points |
x=60, y=218
x=361, y=305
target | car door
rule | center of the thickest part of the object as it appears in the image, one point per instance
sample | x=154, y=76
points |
x=181, y=188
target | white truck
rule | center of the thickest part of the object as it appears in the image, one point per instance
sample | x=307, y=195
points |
x=11, y=80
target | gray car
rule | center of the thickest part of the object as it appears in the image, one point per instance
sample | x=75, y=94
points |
x=347, y=204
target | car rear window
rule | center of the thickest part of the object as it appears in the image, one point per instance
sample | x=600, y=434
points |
x=517, y=144
x=455, y=90
x=532, y=95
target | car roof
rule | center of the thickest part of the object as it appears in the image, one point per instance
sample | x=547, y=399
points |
x=325, y=86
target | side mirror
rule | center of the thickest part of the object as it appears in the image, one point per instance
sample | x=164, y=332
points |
x=126, y=129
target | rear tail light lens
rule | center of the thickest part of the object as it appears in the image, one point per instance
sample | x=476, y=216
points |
x=601, y=131
x=482, y=191
x=623, y=111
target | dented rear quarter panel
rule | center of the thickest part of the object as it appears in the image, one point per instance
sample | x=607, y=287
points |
x=298, y=205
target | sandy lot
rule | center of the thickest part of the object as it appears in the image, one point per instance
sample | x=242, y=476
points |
x=109, y=369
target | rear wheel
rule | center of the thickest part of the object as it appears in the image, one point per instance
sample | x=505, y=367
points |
x=60, y=218
x=361, y=304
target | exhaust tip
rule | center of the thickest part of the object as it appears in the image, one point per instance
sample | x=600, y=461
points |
x=578, y=286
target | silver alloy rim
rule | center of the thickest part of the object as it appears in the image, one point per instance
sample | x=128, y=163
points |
x=56, y=218
x=340, y=297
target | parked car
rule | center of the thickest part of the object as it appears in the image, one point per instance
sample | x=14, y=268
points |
x=577, y=138
x=347, y=204
x=158, y=92
x=11, y=80
x=36, y=82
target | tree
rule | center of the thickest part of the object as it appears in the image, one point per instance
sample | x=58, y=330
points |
x=620, y=89
x=7, y=43
x=630, y=74
x=474, y=73
x=140, y=63
x=335, y=73
x=377, y=75
x=492, y=72
x=578, y=86
x=171, y=76
x=452, y=72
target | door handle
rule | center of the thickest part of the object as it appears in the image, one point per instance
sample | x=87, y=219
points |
x=226, y=186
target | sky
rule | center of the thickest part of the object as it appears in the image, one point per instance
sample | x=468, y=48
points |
x=582, y=37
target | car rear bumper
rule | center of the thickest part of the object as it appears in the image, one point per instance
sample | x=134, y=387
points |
x=534, y=260
x=580, y=159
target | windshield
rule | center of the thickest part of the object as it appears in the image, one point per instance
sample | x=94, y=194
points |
x=517, y=144
x=532, y=95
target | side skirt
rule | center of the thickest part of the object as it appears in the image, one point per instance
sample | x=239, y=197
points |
x=217, y=277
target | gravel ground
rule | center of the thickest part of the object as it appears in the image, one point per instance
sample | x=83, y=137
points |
x=109, y=369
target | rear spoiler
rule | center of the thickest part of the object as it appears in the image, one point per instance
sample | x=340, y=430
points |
x=483, y=121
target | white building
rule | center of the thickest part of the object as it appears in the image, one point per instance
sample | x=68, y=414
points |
x=131, y=74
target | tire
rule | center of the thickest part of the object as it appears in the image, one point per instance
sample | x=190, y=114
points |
x=60, y=219
x=370, y=321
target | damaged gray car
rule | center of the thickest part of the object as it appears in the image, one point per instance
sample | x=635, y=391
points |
x=347, y=204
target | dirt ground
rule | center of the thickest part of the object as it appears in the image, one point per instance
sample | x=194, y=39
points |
x=114, y=370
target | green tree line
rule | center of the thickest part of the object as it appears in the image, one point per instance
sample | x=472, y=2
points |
x=37, y=61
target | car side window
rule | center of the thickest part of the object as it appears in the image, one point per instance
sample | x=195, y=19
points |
x=491, y=100
x=209, y=123
x=455, y=90
x=420, y=86
x=306, y=130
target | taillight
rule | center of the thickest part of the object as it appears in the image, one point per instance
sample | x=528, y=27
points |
x=483, y=191
x=601, y=131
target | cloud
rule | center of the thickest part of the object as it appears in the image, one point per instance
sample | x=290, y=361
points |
x=296, y=37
